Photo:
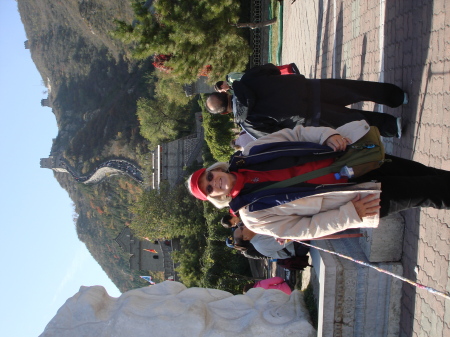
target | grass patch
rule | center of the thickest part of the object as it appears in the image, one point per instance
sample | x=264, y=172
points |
x=310, y=302
x=274, y=6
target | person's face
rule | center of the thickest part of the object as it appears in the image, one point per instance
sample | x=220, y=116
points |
x=241, y=232
x=224, y=87
x=216, y=183
x=234, y=220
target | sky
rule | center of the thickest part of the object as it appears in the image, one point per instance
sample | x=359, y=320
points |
x=42, y=261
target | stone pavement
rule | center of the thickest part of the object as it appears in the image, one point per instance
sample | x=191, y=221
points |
x=405, y=43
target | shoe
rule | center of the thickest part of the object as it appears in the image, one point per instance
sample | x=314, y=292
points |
x=405, y=98
x=399, y=128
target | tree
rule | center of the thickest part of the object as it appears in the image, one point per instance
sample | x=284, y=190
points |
x=195, y=33
x=166, y=213
x=157, y=120
x=168, y=89
x=218, y=133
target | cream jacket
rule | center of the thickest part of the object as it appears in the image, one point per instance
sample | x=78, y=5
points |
x=318, y=215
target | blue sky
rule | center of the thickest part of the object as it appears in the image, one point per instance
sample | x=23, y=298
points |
x=43, y=262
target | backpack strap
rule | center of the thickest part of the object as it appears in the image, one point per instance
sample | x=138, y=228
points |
x=287, y=252
x=303, y=177
x=366, y=154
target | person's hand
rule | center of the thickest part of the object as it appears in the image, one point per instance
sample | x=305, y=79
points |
x=282, y=241
x=337, y=142
x=367, y=206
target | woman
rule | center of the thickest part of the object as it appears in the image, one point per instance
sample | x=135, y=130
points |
x=321, y=206
x=270, y=283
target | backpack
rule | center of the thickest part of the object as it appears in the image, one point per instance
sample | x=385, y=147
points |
x=294, y=263
x=363, y=156
x=297, y=262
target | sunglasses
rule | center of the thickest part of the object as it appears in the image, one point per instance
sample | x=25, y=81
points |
x=209, y=178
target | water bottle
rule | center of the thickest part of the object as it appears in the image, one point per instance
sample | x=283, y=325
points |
x=345, y=172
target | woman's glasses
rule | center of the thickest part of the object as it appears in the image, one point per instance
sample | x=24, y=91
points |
x=209, y=178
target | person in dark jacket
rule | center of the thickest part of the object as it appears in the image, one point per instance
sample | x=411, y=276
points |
x=264, y=101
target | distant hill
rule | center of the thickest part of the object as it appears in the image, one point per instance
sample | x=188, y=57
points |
x=93, y=84
x=102, y=213
x=93, y=88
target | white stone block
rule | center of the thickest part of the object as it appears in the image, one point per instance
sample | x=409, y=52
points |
x=354, y=300
x=385, y=243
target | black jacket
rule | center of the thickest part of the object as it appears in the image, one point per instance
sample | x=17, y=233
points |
x=268, y=101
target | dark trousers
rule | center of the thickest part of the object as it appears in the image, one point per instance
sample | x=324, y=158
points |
x=345, y=92
x=335, y=94
x=407, y=184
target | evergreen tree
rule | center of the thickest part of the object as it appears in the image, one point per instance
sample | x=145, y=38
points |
x=218, y=134
x=195, y=33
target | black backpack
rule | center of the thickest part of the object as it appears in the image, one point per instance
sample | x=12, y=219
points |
x=294, y=263
x=297, y=262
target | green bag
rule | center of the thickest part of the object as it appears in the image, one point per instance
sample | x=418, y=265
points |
x=363, y=156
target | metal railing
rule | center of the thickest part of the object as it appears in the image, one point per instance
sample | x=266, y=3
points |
x=255, y=34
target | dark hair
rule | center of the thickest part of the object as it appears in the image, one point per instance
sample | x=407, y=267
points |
x=247, y=287
x=218, y=85
x=225, y=221
x=218, y=102
x=234, y=146
x=240, y=243
x=252, y=253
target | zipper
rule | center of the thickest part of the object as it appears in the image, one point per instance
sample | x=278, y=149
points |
x=337, y=184
x=287, y=150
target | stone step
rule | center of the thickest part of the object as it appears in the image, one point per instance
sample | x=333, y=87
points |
x=354, y=300
x=384, y=243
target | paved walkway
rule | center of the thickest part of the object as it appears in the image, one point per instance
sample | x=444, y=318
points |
x=405, y=43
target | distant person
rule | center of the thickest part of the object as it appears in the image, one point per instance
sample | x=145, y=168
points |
x=243, y=139
x=225, y=86
x=270, y=283
x=234, y=146
x=250, y=252
x=222, y=86
x=264, y=101
x=267, y=245
x=229, y=221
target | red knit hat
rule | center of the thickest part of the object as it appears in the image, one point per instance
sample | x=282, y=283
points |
x=195, y=189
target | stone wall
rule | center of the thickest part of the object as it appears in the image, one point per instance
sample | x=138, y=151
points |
x=353, y=299
x=181, y=153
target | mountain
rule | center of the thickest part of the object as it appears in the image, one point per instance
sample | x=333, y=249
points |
x=102, y=211
x=93, y=84
x=93, y=87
